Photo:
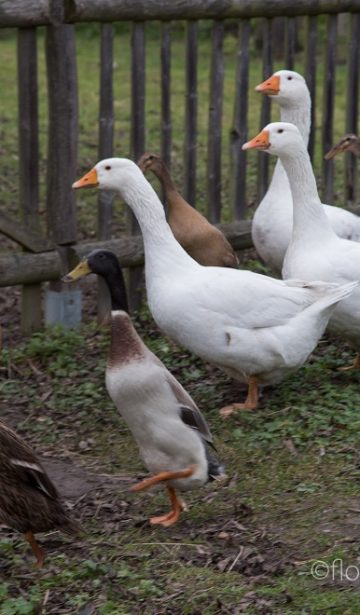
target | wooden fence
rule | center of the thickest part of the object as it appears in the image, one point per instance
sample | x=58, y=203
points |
x=44, y=259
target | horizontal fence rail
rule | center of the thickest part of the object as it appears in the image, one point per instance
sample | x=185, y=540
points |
x=28, y=268
x=21, y=13
x=228, y=175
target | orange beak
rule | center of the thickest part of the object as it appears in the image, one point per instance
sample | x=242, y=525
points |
x=269, y=86
x=89, y=180
x=261, y=141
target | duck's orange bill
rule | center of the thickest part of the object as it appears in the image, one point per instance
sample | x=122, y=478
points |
x=269, y=86
x=89, y=180
x=261, y=141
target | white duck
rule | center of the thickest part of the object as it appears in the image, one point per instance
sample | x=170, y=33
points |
x=272, y=222
x=315, y=252
x=257, y=329
x=173, y=438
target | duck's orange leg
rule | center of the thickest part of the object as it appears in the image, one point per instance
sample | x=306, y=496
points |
x=354, y=365
x=171, y=517
x=161, y=477
x=250, y=403
x=177, y=506
x=36, y=549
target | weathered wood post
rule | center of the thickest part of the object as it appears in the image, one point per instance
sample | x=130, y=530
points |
x=191, y=112
x=263, y=161
x=239, y=134
x=215, y=123
x=352, y=107
x=329, y=106
x=31, y=303
x=63, y=305
x=136, y=274
x=106, y=139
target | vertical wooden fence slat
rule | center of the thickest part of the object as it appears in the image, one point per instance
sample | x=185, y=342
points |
x=63, y=305
x=263, y=161
x=31, y=304
x=215, y=124
x=328, y=108
x=137, y=141
x=165, y=60
x=62, y=134
x=191, y=112
x=106, y=148
x=290, y=43
x=352, y=106
x=239, y=132
x=310, y=76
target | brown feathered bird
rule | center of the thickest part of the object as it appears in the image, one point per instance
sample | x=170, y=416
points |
x=29, y=502
x=348, y=143
x=204, y=242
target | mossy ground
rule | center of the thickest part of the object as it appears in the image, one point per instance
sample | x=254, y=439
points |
x=248, y=546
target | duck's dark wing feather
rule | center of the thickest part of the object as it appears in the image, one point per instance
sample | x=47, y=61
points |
x=23, y=463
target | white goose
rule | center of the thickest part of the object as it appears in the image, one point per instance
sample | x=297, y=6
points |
x=257, y=329
x=272, y=222
x=315, y=252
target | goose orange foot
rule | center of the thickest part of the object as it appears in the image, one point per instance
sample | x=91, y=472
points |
x=354, y=365
x=250, y=403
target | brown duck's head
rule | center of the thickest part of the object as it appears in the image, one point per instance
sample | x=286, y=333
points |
x=151, y=162
x=346, y=143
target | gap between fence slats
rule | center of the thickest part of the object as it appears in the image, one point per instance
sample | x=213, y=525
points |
x=290, y=43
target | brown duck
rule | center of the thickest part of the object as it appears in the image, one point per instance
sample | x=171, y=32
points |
x=29, y=502
x=204, y=242
x=348, y=143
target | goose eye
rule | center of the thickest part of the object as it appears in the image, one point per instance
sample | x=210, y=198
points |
x=289, y=78
x=108, y=167
x=281, y=130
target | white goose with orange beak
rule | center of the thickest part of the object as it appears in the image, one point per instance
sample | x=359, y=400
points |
x=255, y=328
x=315, y=252
x=272, y=222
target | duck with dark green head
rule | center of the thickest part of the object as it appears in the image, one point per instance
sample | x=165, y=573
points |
x=172, y=435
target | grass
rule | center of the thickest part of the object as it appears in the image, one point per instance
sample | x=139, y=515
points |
x=87, y=63
x=292, y=498
x=293, y=465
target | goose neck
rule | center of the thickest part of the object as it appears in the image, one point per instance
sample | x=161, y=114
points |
x=159, y=242
x=298, y=114
x=309, y=217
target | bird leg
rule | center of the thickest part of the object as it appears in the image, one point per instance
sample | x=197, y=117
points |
x=250, y=402
x=171, y=517
x=36, y=549
x=177, y=505
x=354, y=365
x=161, y=477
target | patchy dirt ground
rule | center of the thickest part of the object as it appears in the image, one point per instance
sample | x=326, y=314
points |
x=247, y=547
